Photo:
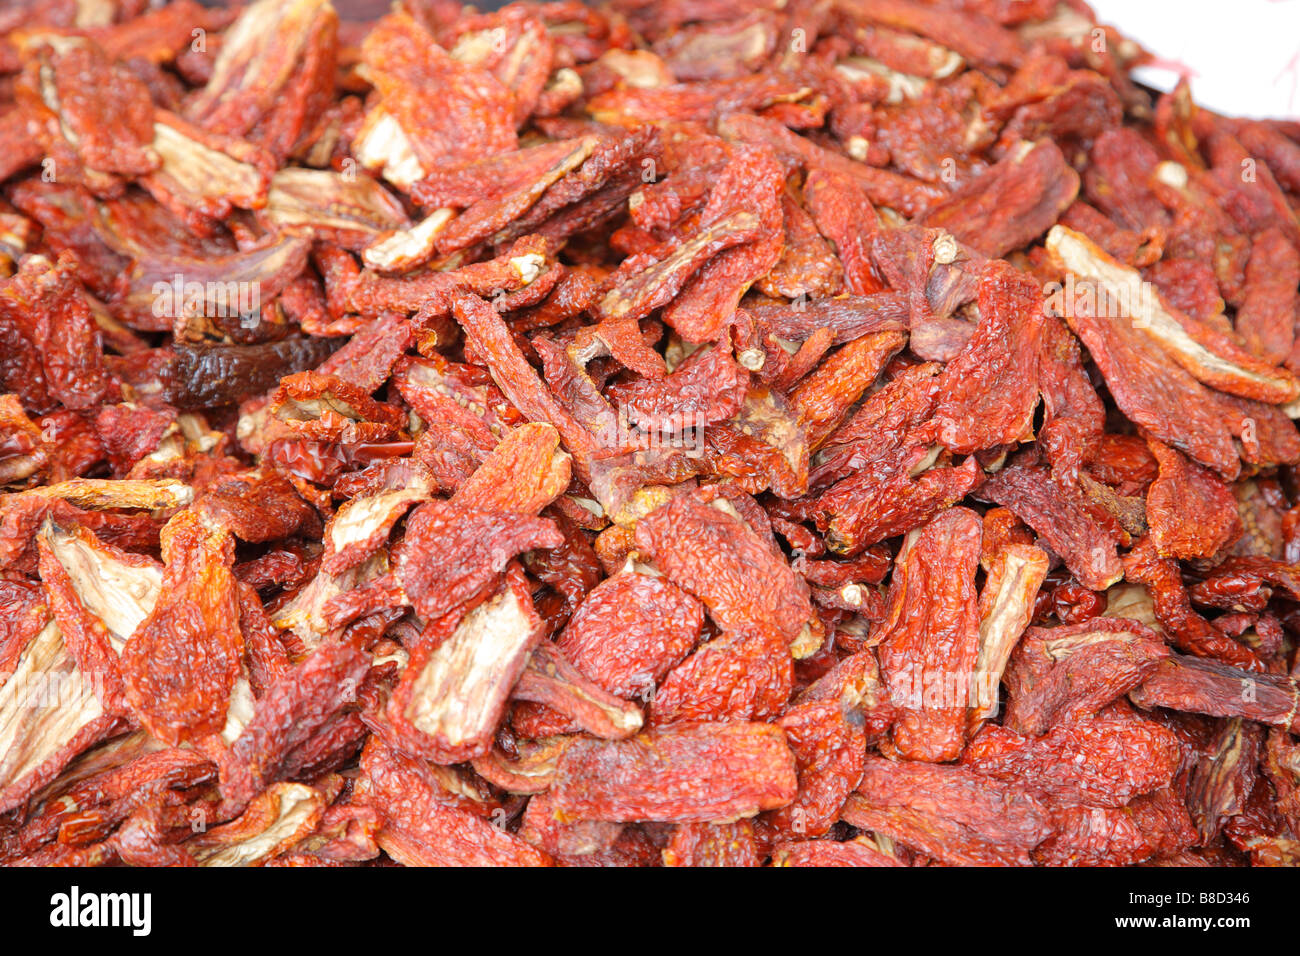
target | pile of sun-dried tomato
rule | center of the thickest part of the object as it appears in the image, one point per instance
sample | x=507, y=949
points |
x=816, y=432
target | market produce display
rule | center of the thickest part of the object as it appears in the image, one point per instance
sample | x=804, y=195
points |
x=703, y=432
